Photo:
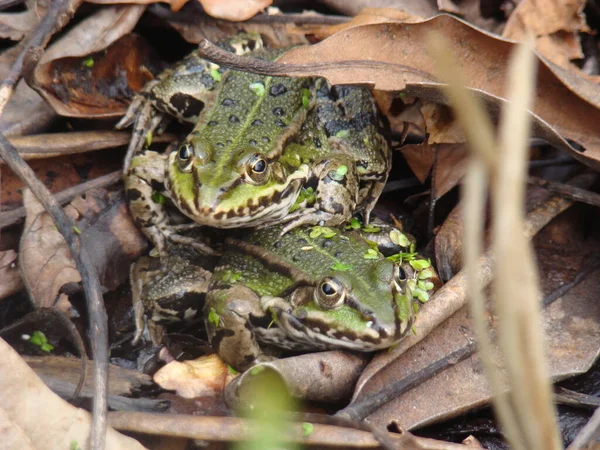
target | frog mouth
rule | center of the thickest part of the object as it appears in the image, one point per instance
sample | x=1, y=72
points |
x=316, y=335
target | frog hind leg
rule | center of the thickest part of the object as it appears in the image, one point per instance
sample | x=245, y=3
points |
x=228, y=315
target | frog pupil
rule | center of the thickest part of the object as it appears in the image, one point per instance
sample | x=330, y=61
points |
x=259, y=166
x=185, y=152
x=401, y=274
x=328, y=289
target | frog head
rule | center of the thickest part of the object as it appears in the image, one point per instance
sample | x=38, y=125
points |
x=231, y=170
x=342, y=311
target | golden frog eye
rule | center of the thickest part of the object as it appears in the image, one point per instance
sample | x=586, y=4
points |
x=330, y=293
x=184, y=157
x=257, y=169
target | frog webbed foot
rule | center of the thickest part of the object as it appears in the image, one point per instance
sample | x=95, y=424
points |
x=146, y=119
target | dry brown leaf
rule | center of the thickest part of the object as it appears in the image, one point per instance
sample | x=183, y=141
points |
x=193, y=27
x=544, y=17
x=399, y=60
x=54, y=426
x=204, y=376
x=93, y=69
x=59, y=173
x=364, y=17
x=234, y=10
x=10, y=278
x=451, y=164
x=419, y=8
x=440, y=124
x=45, y=260
x=16, y=25
x=26, y=111
x=572, y=326
x=555, y=25
x=107, y=231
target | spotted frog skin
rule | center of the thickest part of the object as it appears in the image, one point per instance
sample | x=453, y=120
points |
x=169, y=290
x=264, y=150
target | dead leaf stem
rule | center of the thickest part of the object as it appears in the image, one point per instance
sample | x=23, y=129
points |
x=91, y=286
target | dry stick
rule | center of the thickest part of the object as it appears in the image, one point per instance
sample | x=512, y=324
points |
x=89, y=280
x=14, y=215
x=234, y=429
x=58, y=16
x=567, y=191
x=587, y=434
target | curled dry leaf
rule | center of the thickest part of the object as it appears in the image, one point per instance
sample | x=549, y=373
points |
x=95, y=68
x=204, y=376
x=450, y=168
x=555, y=26
x=193, y=27
x=57, y=424
x=234, y=10
x=10, y=278
x=398, y=60
x=107, y=230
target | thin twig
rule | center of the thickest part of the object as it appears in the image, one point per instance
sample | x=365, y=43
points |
x=14, y=215
x=588, y=433
x=567, y=191
x=89, y=279
x=364, y=408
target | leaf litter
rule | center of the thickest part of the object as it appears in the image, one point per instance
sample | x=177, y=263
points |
x=566, y=107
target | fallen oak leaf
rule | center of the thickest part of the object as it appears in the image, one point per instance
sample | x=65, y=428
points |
x=566, y=106
x=108, y=232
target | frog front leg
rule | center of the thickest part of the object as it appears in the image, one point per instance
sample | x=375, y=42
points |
x=336, y=195
x=231, y=315
x=147, y=203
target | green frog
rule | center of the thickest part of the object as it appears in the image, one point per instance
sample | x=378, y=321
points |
x=313, y=288
x=263, y=151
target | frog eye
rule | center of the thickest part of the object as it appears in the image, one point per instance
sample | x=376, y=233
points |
x=184, y=157
x=257, y=169
x=401, y=276
x=330, y=293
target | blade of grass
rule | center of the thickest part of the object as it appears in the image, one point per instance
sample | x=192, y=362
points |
x=516, y=286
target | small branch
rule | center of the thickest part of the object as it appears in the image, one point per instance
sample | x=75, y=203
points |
x=89, y=279
x=567, y=191
x=362, y=409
